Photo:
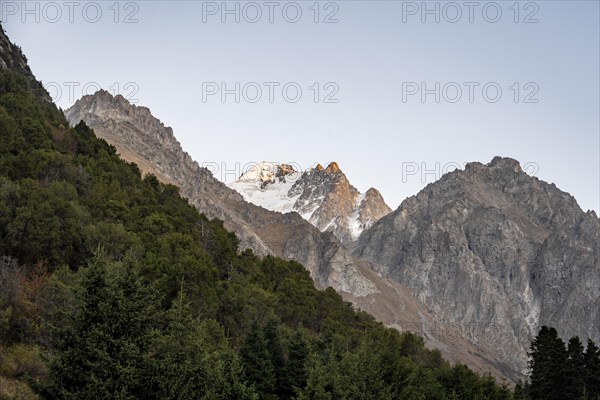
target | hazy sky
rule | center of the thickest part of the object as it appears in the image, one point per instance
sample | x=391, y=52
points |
x=395, y=92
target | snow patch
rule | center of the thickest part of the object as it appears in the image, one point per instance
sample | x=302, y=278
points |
x=354, y=223
x=261, y=186
x=261, y=172
x=273, y=197
x=308, y=212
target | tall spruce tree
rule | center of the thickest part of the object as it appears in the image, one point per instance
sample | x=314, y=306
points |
x=103, y=351
x=574, y=370
x=192, y=360
x=548, y=358
x=258, y=366
x=592, y=371
x=295, y=373
x=275, y=346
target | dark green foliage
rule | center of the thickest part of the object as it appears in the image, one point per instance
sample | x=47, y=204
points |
x=559, y=372
x=521, y=391
x=258, y=362
x=548, y=359
x=465, y=384
x=103, y=350
x=192, y=360
x=574, y=370
x=119, y=344
x=591, y=371
x=295, y=373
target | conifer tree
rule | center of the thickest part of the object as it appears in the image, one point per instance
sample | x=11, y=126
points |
x=548, y=358
x=574, y=370
x=103, y=349
x=258, y=367
x=192, y=360
x=295, y=374
x=591, y=361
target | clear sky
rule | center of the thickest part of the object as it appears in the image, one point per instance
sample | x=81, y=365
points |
x=404, y=90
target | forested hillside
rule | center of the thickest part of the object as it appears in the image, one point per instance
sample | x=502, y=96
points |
x=113, y=286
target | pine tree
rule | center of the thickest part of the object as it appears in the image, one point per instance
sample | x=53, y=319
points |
x=192, y=360
x=520, y=391
x=258, y=367
x=103, y=351
x=574, y=370
x=592, y=370
x=273, y=339
x=330, y=378
x=548, y=358
x=295, y=373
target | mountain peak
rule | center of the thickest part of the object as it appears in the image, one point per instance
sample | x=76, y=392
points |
x=505, y=163
x=105, y=97
x=265, y=173
x=322, y=196
x=103, y=105
x=372, y=192
x=520, y=246
x=498, y=163
x=101, y=93
x=332, y=168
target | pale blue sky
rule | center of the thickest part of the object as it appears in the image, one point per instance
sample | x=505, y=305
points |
x=376, y=49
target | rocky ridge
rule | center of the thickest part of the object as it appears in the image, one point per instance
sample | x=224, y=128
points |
x=497, y=253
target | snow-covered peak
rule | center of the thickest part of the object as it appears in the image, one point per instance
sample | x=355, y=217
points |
x=322, y=196
x=265, y=173
x=267, y=184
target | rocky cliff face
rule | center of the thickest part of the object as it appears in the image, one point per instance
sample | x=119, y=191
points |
x=498, y=253
x=322, y=196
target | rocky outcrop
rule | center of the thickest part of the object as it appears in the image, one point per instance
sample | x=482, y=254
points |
x=322, y=196
x=498, y=253
x=371, y=209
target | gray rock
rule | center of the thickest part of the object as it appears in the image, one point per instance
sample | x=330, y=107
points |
x=331, y=203
x=498, y=252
